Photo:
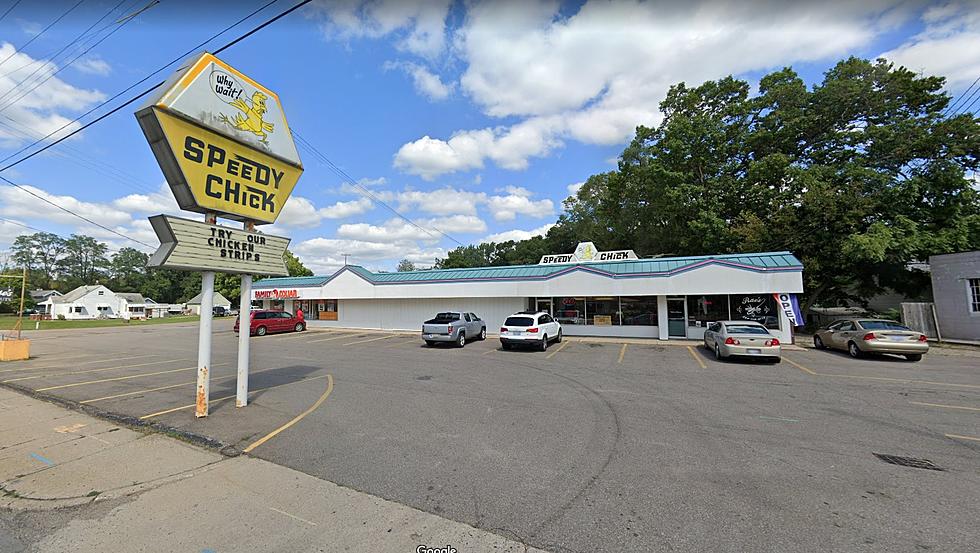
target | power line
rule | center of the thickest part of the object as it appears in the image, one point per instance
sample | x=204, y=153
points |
x=22, y=225
x=951, y=107
x=63, y=48
x=125, y=90
x=73, y=60
x=128, y=102
x=343, y=174
x=44, y=30
x=10, y=9
x=66, y=210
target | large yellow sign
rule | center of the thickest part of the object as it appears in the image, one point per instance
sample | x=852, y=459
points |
x=225, y=176
x=222, y=142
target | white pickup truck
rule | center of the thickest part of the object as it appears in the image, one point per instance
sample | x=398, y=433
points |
x=454, y=326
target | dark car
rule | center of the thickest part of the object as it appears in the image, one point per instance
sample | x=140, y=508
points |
x=266, y=321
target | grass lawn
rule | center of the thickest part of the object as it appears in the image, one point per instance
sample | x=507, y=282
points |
x=7, y=322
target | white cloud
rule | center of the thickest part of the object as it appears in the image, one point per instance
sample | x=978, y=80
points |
x=517, y=234
x=426, y=82
x=325, y=255
x=596, y=74
x=949, y=46
x=574, y=188
x=443, y=201
x=392, y=231
x=300, y=212
x=419, y=25
x=93, y=66
x=16, y=203
x=507, y=208
x=159, y=202
x=38, y=112
x=456, y=224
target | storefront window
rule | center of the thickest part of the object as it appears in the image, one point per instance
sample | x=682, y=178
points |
x=760, y=308
x=569, y=311
x=639, y=311
x=602, y=311
x=702, y=310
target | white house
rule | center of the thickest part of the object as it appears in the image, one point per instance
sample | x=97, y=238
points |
x=194, y=304
x=95, y=302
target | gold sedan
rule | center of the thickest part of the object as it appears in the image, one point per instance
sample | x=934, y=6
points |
x=871, y=336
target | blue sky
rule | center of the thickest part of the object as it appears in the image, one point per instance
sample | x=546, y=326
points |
x=476, y=119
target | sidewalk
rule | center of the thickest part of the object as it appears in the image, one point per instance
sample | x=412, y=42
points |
x=135, y=491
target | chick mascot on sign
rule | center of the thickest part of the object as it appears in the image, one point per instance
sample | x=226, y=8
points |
x=251, y=121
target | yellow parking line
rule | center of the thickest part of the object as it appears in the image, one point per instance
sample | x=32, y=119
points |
x=99, y=360
x=370, y=340
x=232, y=396
x=622, y=352
x=798, y=366
x=130, y=377
x=696, y=357
x=296, y=419
x=557, y=351
x=964, y=408
x=157, y=389
x=958, y=437
x=489, y=351
x=69, y=373
x=345, y=335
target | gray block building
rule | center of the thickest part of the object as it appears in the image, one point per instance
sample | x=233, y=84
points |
x=956, y=294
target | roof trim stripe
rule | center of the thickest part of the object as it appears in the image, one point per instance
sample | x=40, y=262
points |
x=564, y=270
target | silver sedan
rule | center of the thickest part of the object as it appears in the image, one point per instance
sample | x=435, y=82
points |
x=742, y=339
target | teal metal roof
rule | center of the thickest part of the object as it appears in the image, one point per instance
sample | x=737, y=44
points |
x=631, y=268
x=291, y=282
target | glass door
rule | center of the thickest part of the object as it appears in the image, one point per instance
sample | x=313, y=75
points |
x=676, y=318
x=544, y=304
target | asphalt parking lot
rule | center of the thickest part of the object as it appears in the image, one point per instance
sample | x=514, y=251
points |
x=586, y=447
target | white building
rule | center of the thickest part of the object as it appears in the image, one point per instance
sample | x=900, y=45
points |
x=658, y=298
x=194, y=304
x=94, y=302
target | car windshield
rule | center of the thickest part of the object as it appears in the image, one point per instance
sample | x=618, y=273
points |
x=882, y=325
x=746, y=329
x=446, y=317
x=519, y=321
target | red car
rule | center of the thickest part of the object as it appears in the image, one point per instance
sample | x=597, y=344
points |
x=265, y=321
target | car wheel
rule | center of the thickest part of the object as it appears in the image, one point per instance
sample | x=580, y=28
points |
x=914, y=357
x=260, y=331
x=483, y=334
x=544, y=343
x=818, y=343
x=430, y=343
x=558, y=339
x=461, y=341
x=300, y=327
x=853, y=350
x=717, y=352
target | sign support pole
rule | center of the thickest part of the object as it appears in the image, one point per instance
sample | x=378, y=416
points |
x=204, y=337
x=244, y=332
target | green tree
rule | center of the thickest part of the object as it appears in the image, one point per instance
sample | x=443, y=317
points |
x=127, y=270
x=295, y=266
x=84, y=261
x=405, y=265
x=858, y=176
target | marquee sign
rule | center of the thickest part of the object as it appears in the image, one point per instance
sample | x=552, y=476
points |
x=196, y=246
x=276, y=294
x=586, y=252
x=222, y=142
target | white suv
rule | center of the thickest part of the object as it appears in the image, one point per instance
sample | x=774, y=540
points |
x=530, y=329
